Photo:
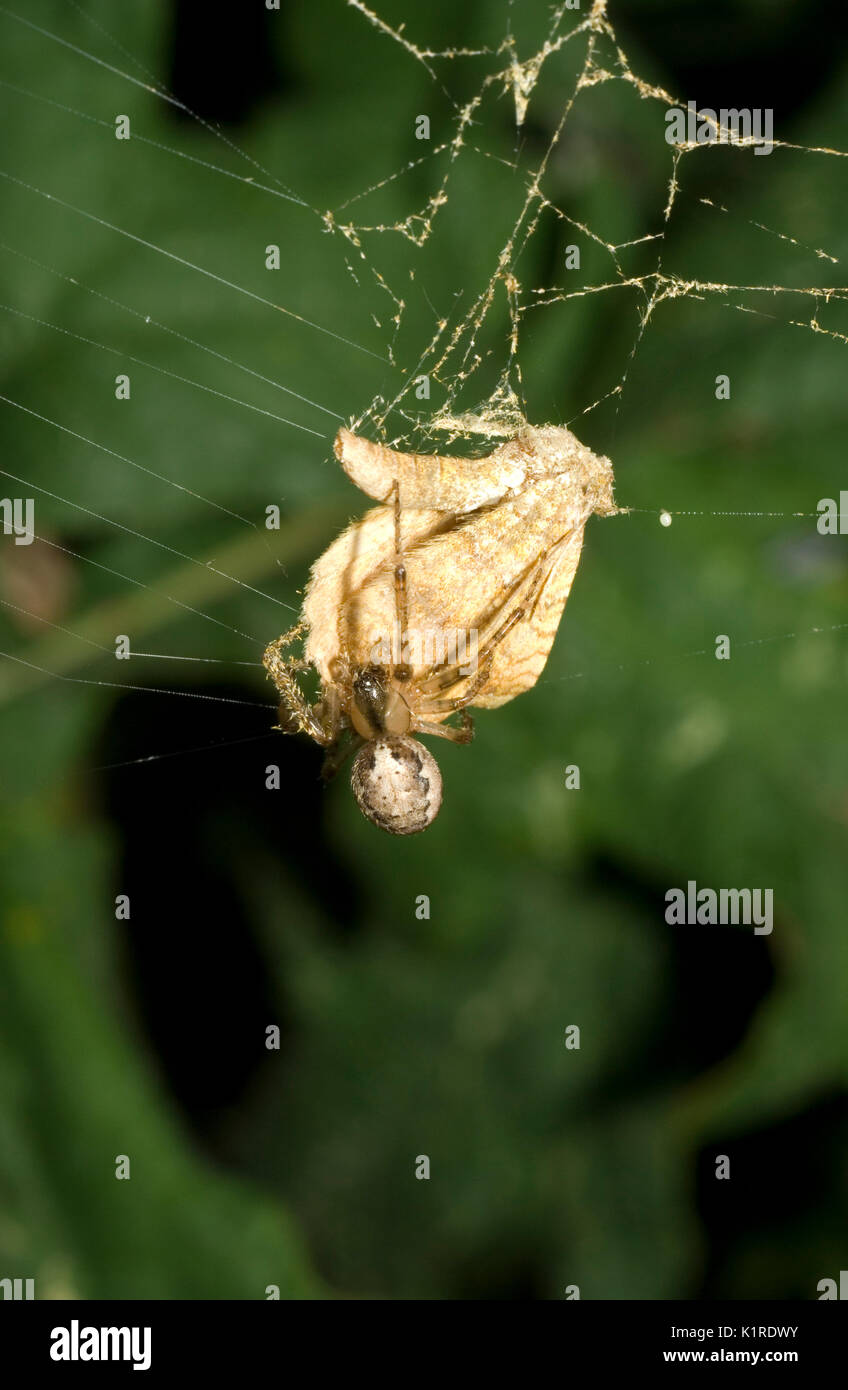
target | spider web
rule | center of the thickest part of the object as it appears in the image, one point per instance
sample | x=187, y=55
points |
x=407, y=319
x=443, y=262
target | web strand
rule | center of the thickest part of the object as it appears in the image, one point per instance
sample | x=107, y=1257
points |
x=453, y=356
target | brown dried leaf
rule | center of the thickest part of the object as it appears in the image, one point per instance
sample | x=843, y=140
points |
x=480, y=539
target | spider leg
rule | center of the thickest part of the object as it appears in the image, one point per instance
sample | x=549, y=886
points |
x=444, y=678
x=453, y=676
x=464, y=734
x=434, y=706
x=401, y=599
x=296, y=714
x=337, y=755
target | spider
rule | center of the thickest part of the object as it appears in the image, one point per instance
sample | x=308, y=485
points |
x=485, y=546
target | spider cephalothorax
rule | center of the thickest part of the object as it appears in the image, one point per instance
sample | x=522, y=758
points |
x=447, y=595
x=377, y=706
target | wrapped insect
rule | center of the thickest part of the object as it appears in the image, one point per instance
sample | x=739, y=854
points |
x=446, y=596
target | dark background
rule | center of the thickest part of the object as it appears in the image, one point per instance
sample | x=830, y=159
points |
x=250, y=907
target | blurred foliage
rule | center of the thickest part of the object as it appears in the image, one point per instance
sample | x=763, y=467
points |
x=443, y=1036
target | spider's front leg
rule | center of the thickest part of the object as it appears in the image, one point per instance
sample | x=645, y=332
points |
x=320, y=721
